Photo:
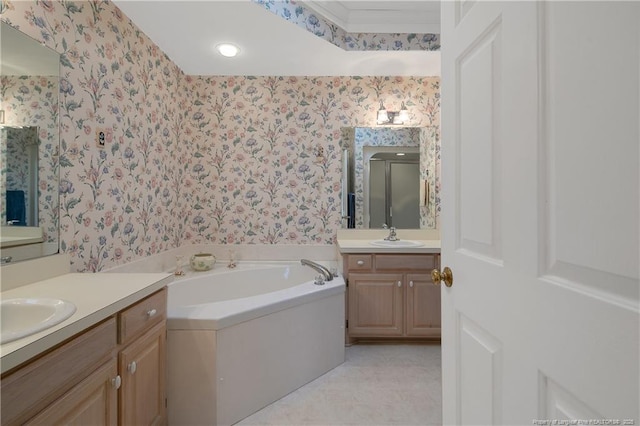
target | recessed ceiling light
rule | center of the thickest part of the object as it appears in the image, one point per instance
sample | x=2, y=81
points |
x=227, y=49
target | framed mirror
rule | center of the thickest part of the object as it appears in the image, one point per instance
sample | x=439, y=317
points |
x=29, y=145
x=389, y=177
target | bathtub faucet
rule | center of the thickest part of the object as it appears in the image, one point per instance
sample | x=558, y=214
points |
x=328, y=276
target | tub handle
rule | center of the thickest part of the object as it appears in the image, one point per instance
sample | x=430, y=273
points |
x=132, y=367
x=151, y=312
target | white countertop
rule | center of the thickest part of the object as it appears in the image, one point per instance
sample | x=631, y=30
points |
x=19, y=235
x=18, y=241
x=365, y=246
x=96, y=296
x=359, y=240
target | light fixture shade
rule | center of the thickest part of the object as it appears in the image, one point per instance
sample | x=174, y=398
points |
x=383, y=117
x=403, y=116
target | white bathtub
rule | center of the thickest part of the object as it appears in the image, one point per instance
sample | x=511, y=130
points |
x=241, y=339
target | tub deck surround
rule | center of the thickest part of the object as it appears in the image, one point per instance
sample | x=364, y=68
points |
x=96, y=296
x=359, y=240
x=242, y=253
x=241, y=339
x=225, y=297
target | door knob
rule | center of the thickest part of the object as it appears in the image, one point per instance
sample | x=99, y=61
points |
x=446, y=275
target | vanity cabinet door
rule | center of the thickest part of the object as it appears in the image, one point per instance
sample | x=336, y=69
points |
x=423, y=306
x=40, y=383
x=94, y=401
x=142, y=365
x=376, y=305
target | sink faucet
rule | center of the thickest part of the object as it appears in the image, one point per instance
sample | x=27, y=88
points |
x=328, y=276
x=392, y=235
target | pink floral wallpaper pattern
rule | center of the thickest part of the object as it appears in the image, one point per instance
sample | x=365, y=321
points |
x=253, y=171
x=194, y=159
x=122, y=202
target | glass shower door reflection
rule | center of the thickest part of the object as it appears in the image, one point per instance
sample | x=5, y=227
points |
x=404, y=195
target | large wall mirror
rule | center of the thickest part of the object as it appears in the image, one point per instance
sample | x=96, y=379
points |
x=389, y=177
x=29, y=145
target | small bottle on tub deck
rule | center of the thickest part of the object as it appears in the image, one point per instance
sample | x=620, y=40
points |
x=179, y=271
x=232, y=259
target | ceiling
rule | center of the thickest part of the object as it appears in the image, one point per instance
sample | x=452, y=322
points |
x=188, y=31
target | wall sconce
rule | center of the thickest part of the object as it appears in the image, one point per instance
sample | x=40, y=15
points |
x=393, y=117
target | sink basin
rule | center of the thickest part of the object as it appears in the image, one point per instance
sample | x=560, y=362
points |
x=24, y=317
x=398, y=244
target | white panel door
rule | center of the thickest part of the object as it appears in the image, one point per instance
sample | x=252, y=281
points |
x=540, y=152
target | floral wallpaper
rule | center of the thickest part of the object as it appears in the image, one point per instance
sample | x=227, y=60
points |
x=429, y=141
x=32, y=101
x=121, y=202
x=191, y=159
x=300, y=15
x=264, y=165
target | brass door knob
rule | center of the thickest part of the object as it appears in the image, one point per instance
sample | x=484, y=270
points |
x=446, y=275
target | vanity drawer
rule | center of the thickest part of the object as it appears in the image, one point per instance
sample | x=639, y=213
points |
x=414, y=262
x=141, y=316
x=34, y=386
x=359, y=262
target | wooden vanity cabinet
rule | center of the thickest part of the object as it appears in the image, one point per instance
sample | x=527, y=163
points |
x=390, y=296
x=142, y=362
x=376, y=305
x=113, y=373
x=422, y=307
x=53, y=381
x=91, y=402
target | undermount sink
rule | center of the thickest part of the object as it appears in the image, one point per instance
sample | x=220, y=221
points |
x=24, y=317
x=398, y=243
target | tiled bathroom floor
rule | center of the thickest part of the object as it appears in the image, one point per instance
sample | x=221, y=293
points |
x=377, y=385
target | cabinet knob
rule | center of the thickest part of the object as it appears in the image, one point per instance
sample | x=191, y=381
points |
x=132, y=367
x=399, y=283
x=410, y=283
x=116, y=382
x=151, y=312
x=360, y=262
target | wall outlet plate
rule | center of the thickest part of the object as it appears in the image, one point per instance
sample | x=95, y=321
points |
x=101, y=137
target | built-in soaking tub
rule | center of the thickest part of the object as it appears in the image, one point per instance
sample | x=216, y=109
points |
x=241, y=339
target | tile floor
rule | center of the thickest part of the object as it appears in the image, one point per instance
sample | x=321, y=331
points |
x=377, y=385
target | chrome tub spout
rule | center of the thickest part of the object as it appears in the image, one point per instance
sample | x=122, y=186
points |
x=328, y=276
